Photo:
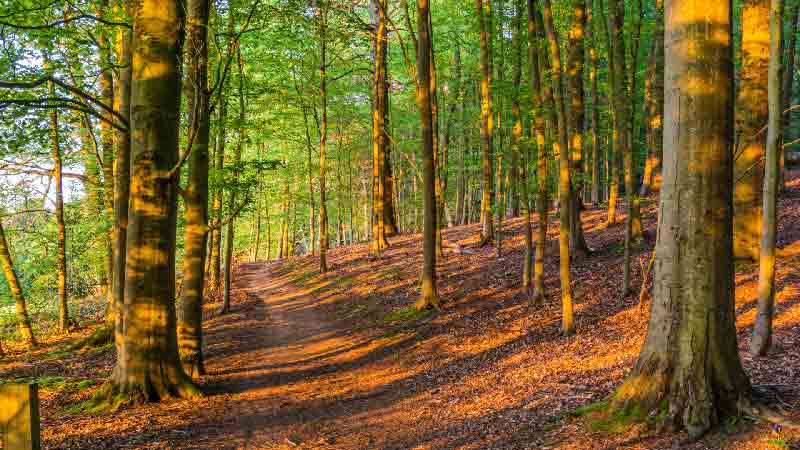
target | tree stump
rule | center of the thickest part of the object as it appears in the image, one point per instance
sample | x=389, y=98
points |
x=19, y=417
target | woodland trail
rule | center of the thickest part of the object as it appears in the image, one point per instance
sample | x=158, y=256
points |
x=340, y=362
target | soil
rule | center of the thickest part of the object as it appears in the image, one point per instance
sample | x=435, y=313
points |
x=340, y=360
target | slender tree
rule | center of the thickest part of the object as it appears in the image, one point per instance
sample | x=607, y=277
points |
x=762, y=331
x=23, y=319
x=487, y=125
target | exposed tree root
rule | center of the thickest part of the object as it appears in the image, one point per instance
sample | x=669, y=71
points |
x=100, y=337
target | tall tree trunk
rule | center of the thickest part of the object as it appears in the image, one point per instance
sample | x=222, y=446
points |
x=487, y=127
x=762, y=330
x=575, y=125
x=517, y=144
x=379, y=137
x=190, y=319
x=786, y=88
x=654, y=106
x=752, y=113
x=564, y=184
x=612, y=32
x=537, y=55
x=689, y=370
x=219, y=193
x=594, y=114
x=429, y=298
x=148, y=366
x=122, y=177
x=323, y=140
x=312, y=213
x=104, y=46
x=237, y=157
x=23, y=319
x=437, y=163
x=61, y=254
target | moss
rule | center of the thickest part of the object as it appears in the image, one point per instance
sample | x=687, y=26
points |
x=406, y=314
x=101, y=337
x=615, y=421
x=589, y=409
x=779, y=443
x=56, y=384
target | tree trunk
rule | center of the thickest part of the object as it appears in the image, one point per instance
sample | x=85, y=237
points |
x=594, y=114
x=323, y=140
x=190, y=319
x=23, y=320
x=786, y=88
x=751, y=114
x=122, y=178
x=379, y=138
x=61, y=254
x=762, y=330
x=312, y=212
x=429, y=298
x=689, y=370
x=487, y=127
x=148, y=366
x=107, y=146
x=565, y=206
x=654, y=106
x=219, y=193
x=612, y=31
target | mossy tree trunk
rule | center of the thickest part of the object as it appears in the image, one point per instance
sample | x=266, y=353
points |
x=689, y=370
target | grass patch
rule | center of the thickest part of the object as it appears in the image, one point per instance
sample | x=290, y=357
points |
x=393, y=273
x=778, y=443
x=56, y=384
x=605, y=421
x=406, y=314
x=589, y=409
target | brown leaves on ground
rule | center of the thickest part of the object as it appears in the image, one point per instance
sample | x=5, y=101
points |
x=341, y=361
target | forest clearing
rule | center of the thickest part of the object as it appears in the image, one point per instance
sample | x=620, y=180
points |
x=399, y=224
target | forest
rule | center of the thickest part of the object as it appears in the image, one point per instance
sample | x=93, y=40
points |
x=401, y=224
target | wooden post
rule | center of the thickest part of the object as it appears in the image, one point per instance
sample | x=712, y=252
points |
x=19, y=416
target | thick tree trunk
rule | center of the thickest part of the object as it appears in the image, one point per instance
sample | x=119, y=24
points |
x=23, y=319
x=379, y=138
x=148, y=366
x=429, y=298
x=751, y=114
x=689, y=370
x=190, y=319
x=564, y=183
x=762, y=331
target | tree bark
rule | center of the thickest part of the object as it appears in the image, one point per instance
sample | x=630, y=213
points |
x=762, y=330
x=751, y=114
x=190, y=320
x=148, y=366
x=23, y=319
x=487, y=127
x=564, y=184
x=689, y=370
x=323, y=140
x=654, y=106
x=429, y=298
x=786, y=88
x=379, y=138
x=61, y=254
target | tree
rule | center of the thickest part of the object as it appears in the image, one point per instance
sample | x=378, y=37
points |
x=487, y=126
x=429, y=298
x=689, y=369
x=23, y=319
x=751, y=115
x=322, y=17
x=61, y=254
x=762, y=330
x=148, y=366
x=190, y=324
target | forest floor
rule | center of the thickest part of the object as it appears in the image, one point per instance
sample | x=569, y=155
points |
x=341, y=361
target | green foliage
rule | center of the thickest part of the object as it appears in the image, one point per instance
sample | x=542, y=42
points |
x=406, y=314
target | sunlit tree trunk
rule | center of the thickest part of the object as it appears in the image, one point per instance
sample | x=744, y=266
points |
x=487, y=127
x=689, y=372
x=575, y=124
x=751, y=115
x=786, y=87
x=564, y=184
x=104, y=46
x=61, y=254
x=231, y=226
x=322, y=16
x=654, y=106
x=594, y=114
x=23, y=319
x=148, y=366
x=219, y=193
x=537, y=55
x=429, y=298
x=516, y=145
x=612, y=31
x=762, y=331
x=311, y=203
x=190, y=319
x=122, y=178
x=379, y=139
